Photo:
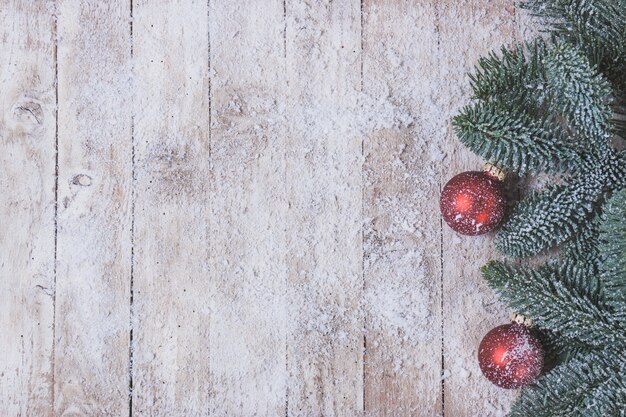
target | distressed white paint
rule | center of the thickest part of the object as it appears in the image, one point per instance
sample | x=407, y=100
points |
x=170, y=313
x=27, y=199
x=325, y=281
x=251, y=188
x=94, y=200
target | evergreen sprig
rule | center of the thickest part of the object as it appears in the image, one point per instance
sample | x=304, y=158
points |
x=590, y=384
x=612, y=247
x=515, y=140
x=555, y=79
x=578, y=92
x=557, y=214
x=578, y=300
x=544, y=107
x=558, y=304
x=557, y=106
x=597, y=25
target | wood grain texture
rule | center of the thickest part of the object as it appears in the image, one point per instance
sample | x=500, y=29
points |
x=94, y=216
x=170, y=351
x=246, y=221
x=325, y=340
x=27, y=170
x=402, y=236
x=471, y=309
x=248, y=205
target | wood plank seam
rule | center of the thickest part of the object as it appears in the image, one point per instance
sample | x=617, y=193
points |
x=285, y=191
x=133, y=196
x=441, y=289
x=363, y=287
x=56, y=199
x=443, y=359
x=211, y=184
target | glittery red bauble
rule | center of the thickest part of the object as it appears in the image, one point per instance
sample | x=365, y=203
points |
x=510, y=356
x=473, y=203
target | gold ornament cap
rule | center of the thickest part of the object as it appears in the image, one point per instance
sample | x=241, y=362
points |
x=520, y=319
x=494, y=171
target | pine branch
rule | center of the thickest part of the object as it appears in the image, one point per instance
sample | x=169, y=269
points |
x=516, y=141
x=615, y=163
x=524, y=96
x=553, y=302
x=552, y=216
x=557, y=349
x=555, y=107
x=548, y=218
x=613, y=250
x=515, y=79
x=597, y=25
x=579, y=92
x=589, y=385
x=580, y=259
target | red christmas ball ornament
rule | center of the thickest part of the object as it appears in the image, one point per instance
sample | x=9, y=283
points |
x=473, y=203
x=510, y=356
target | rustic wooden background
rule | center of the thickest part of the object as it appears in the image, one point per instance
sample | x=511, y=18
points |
x=230, y=208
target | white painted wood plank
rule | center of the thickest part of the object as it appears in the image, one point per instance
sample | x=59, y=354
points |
x=172, y=208
x=27, y=180
x=248, y=205
x=325, y=342
x=94, y=222
x=402, y=234
x=469, y=30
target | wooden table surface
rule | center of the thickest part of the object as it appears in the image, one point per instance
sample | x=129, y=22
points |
x=230, y=208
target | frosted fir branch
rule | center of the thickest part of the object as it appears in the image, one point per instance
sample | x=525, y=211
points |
x=554, y=303
x=551, y=217
x=589, y=385
x=613, y=254
x=548, y=218
x=615, y=163
x=558, y=350
x=594, y=24
x=515, y=78
x=550, y=82
x=516, y=141
x=580, y=258
x=579, y=92
x=555, y=106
